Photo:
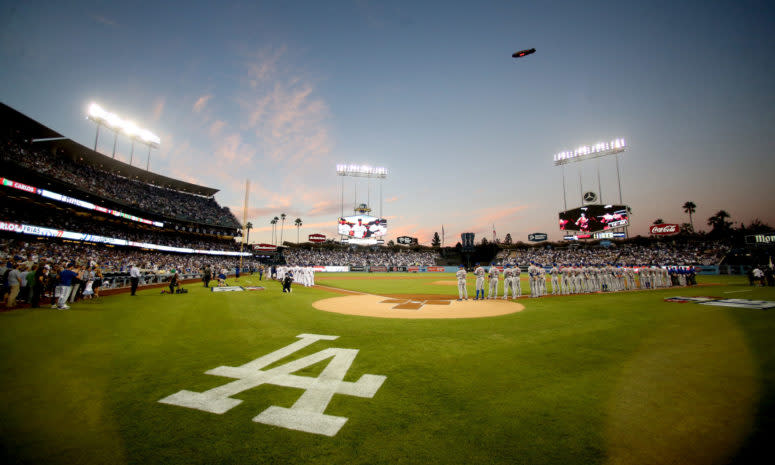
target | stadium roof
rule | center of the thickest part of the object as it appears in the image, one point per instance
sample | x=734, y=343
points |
x=10, y=118
x=69, y=148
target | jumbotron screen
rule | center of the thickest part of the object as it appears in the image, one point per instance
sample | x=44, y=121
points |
x=362, y=227
x=594, y=218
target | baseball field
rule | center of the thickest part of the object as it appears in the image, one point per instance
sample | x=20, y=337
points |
x=390, y=369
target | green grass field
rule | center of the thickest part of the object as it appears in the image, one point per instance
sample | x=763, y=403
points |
x=616, y=378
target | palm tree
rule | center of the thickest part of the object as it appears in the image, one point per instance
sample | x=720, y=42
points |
x=274, y=228
x=659, y=221
x=248, y=226
x=298, y=225
x=282, y=227
x=689, y=207
x=719, y=222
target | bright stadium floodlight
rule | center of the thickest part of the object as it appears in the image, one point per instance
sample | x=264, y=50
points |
x=364, y=171
x=105, y=118
x=587, y=152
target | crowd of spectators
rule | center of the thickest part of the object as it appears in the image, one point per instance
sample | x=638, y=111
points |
x=656, y=253
x=146, y=197
x=359, y=257
x=111, y=260
x=64, y=220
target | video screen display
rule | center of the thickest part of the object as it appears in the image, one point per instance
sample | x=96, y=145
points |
x=362, y=227
x=594, y=218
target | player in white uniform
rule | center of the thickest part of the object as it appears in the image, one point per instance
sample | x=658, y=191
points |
x=479, y=273
x=462, y=289
x=492, y=293
x=507, y=281
x=516, y=283
x=555, y=272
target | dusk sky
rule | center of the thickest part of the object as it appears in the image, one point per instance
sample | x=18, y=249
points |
x=280, y=92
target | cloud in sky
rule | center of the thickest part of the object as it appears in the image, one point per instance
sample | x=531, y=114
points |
x=201, y=103
x=158, y=108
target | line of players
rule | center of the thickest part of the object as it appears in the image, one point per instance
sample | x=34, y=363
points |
x=569, y=279
x=304, y=275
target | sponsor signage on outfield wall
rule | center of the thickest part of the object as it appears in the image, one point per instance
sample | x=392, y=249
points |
x=435, y=269
x=78, y=203
x=378, y=269
x=317, y=237
x=357, y=268
x=664, y=229
x=264, y=247
x=537, y=237
x=398, y=268
x=76, y=236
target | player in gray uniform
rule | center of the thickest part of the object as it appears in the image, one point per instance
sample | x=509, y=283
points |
x=555, y=272
x=507, y=281
x=462, y=289
x=492, y=292
x=541, y=280
x=516, y=283
x=479, y=273
x=566, y=279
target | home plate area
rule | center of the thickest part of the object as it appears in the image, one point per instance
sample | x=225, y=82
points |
x=416, y=306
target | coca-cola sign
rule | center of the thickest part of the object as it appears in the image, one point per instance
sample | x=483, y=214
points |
x=664, y=229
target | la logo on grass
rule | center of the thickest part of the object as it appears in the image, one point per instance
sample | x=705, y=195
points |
x=307, y=414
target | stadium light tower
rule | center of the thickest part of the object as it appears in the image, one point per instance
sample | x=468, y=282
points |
x=104, y=118
x=588, y=152
x=361, y=171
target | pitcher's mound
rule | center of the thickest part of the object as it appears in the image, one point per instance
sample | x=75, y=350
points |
x=419, y=307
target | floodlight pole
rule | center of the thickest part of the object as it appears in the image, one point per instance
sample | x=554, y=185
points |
x=619, y=179
x=564, y=199
x=132, y=153
x=115, y=139
x=599, y=187
x=96, y=137
x=148, y=162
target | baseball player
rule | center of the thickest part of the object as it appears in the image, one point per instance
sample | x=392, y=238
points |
x=492, y=293
x=462, y=289
x=507, y=281
x=515, y=282
x=479, y=273
x=555, y=272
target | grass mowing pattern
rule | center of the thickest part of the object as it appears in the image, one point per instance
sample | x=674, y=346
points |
x=574, y=379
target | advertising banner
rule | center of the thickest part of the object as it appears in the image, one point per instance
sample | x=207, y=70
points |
x=436, y=269
x=317, y=237
x=264, y=247
x=413, y=269
x=664, y=229
x=537, y=237
x=378, y=269
x=398, y=268
x=357, y=268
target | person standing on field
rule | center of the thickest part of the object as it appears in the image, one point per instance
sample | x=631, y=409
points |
x=479, y=273
x=507, y=281
x=516, y=282
x=492, y=293
x=462, y=289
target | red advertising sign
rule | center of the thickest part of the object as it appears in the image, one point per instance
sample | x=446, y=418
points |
x=664, y=229
x=317, y=238
x=436, y=269
x=413, y=269
x=264, y=247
